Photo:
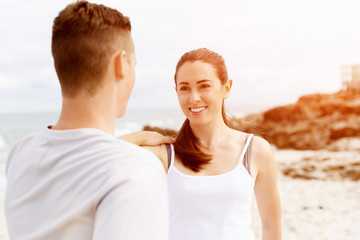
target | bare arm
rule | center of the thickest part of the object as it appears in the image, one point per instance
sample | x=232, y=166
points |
x=266, y=190
x=152, y=141
x=147, y=138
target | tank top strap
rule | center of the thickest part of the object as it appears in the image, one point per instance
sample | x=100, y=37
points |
x=170, y=154
x=248, y=156
x=245, y=154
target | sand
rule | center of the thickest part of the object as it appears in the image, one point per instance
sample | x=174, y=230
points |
x=315, y=209
x=326, y=207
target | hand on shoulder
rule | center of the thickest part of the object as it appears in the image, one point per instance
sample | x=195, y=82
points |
x=152, y=141
x=147, y=138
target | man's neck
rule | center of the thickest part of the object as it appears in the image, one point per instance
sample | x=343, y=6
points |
x=86, y=112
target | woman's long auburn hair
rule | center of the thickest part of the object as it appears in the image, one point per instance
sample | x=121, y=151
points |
x=187, y=145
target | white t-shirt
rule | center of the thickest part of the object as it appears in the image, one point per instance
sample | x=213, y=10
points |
x=84, y=184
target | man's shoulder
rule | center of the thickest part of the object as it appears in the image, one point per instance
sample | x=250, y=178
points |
x=88, y=147
x=124, y=162
x=136, y=155
x=107, y=150
x=24, y=141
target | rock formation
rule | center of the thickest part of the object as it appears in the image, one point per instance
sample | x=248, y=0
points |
x=314, y=122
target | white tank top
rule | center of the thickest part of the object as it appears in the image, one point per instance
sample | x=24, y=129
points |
x=211, y=207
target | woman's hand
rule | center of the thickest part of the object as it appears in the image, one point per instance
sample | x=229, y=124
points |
x=147, y=138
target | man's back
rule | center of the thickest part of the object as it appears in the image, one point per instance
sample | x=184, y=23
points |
x=84, y=184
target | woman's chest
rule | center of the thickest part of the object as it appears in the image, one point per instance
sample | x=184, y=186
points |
x=231, y=188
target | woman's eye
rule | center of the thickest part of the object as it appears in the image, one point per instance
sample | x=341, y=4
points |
x=205, y=86
x=183, y=88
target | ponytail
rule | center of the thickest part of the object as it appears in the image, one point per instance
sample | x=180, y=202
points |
x=190, y=150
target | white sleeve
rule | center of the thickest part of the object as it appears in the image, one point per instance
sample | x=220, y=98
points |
x=135, y=209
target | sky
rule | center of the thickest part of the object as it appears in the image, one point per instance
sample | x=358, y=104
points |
x=275, y=50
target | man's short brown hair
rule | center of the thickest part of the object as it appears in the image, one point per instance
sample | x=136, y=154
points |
x=84, y=37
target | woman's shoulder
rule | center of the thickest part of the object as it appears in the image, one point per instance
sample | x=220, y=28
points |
x=260, y=149
x=262, y=154
x=262, y=145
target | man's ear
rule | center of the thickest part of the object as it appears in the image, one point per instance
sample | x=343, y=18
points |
x=119, y=64
x=228, y=86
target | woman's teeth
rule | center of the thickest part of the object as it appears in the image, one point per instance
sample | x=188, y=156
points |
x=197, y=109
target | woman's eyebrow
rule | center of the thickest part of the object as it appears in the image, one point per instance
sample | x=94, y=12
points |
x=198, y=82
x=203, y=80
x=183, y=83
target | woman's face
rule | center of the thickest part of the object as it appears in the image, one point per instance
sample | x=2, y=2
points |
x=200, y=92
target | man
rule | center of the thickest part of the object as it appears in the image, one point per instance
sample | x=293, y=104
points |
x=75, y=180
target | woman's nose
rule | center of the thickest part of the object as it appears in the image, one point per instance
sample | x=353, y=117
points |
x=194, y=97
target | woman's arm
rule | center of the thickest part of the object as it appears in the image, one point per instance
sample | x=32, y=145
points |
x=147, y=138
x=152, y=141
x=266, y=190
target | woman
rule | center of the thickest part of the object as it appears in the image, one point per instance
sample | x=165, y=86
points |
x=215, y=169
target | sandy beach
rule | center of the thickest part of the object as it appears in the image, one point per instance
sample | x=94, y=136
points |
x=324, y=209
x=323, y=206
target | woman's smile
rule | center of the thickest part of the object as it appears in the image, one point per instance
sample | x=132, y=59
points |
x=197, y=110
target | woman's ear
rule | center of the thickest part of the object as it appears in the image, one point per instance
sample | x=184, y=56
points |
x=119, y=64
x=228, y=86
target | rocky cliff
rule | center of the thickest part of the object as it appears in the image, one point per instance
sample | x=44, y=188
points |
x=314, y=122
